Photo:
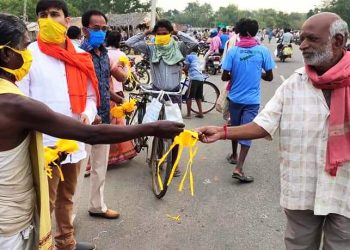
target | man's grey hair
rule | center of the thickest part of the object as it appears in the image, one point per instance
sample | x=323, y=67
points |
x=339, y=27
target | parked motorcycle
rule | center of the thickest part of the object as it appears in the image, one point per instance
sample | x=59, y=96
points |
x=213, y=64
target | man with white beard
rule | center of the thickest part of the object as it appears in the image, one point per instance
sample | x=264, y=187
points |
x=311, y=111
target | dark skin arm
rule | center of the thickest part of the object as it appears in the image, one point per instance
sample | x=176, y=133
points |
x=267, y=76
x=26, y=115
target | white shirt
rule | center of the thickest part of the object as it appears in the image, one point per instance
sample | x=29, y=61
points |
x=47, y=82
x=300, y=112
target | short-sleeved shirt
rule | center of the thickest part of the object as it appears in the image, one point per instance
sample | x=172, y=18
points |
x=299, y=112
x=245, y=66
x=224, y=38
x=287, y=38
x=194, y=71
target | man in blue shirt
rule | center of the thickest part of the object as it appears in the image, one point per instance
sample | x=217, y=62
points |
x=95, y=27
x=243, y=67
x=224, y=38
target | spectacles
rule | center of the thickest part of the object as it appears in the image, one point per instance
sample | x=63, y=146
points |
x=97, y=28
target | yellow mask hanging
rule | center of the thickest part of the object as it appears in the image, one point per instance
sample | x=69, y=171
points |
x=187, y=139
x=162, y=39
x=51, y=31
x=27, y=62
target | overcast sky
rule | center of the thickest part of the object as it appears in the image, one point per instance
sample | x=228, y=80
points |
x=281, y=5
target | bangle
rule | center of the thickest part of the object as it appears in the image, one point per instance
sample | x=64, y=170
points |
x=225, y=132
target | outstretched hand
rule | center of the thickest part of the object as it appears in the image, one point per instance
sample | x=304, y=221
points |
x=167, y=129
x=210, y=134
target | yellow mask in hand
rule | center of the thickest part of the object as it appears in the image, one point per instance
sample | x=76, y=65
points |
x=27, y=62
x=162, y=39
x=187, y=139
x=51, y=31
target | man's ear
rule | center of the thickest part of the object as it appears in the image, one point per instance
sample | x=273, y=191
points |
x=86, y=32
x=4, y=55
x=67, y=21
x=339, y=40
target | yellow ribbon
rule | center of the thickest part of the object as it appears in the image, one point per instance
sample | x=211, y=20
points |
x=53, y=154
x=187, y=139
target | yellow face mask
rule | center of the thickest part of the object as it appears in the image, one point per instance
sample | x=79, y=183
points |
x=51, y=31
x=162, y=39
x=24, y=69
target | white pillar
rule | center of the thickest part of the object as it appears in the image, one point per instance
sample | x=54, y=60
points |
x=153, y=12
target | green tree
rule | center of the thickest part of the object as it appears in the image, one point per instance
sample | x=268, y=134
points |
x=340, y=7
x=228, y=15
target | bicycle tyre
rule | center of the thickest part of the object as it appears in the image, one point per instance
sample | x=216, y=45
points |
x=159, y=148
x=136, y=118
x=142, y=75
x=129, y=85
x=211, y=94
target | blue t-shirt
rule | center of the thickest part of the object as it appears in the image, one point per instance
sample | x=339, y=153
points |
x=194, y=71
x=245, y=66
x=224, y=38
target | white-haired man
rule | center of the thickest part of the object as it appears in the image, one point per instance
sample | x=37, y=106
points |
x=311, y=110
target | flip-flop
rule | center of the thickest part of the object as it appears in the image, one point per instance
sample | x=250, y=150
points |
x=242, y=178
x=230, y=160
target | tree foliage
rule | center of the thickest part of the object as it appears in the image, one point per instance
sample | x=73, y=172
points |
x=199, y=15
x=77, y=7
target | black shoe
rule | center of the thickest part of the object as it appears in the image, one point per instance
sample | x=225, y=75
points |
x=85, y=246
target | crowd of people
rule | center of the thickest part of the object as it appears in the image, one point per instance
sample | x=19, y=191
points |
x=64, y=85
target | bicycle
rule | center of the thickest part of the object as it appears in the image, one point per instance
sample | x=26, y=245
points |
x=159, y=146
x=211, y=94
x=139, y=75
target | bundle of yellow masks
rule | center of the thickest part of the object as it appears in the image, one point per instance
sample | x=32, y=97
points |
x=126, y=108
x=187, y=139
x=53, y=154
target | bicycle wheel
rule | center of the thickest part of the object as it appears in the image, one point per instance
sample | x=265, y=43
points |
x=130, y=84
x=142, y=75
x=136, y=118
x=210, y=96
x=159, y=148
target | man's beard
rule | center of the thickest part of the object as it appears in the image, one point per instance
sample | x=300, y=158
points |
x=320, y=56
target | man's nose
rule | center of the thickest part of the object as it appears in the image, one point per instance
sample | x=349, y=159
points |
x=303, y=45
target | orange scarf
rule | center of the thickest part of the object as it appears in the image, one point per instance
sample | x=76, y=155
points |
x=79, y=68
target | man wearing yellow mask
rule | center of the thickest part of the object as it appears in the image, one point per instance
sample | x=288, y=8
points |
x=23, y=180
x=166, y=57
x=62, y=76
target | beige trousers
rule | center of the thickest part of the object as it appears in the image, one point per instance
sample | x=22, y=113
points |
x=304, y=231
x=98, y=155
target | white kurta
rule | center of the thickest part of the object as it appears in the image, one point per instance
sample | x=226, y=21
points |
x=47, y=82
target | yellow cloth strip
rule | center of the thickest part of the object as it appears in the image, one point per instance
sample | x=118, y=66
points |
x=41, y=186
x=187, y=139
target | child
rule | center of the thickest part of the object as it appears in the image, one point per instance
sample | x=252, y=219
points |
x=192, y=69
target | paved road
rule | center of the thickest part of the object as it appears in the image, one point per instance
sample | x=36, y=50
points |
x=222, y=215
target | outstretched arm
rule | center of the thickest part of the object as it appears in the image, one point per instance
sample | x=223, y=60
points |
x=34, y=115
x=249, y=131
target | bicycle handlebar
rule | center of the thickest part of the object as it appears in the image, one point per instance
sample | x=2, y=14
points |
x=159, y=91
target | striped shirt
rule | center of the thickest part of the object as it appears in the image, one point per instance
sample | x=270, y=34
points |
x=300, y=112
